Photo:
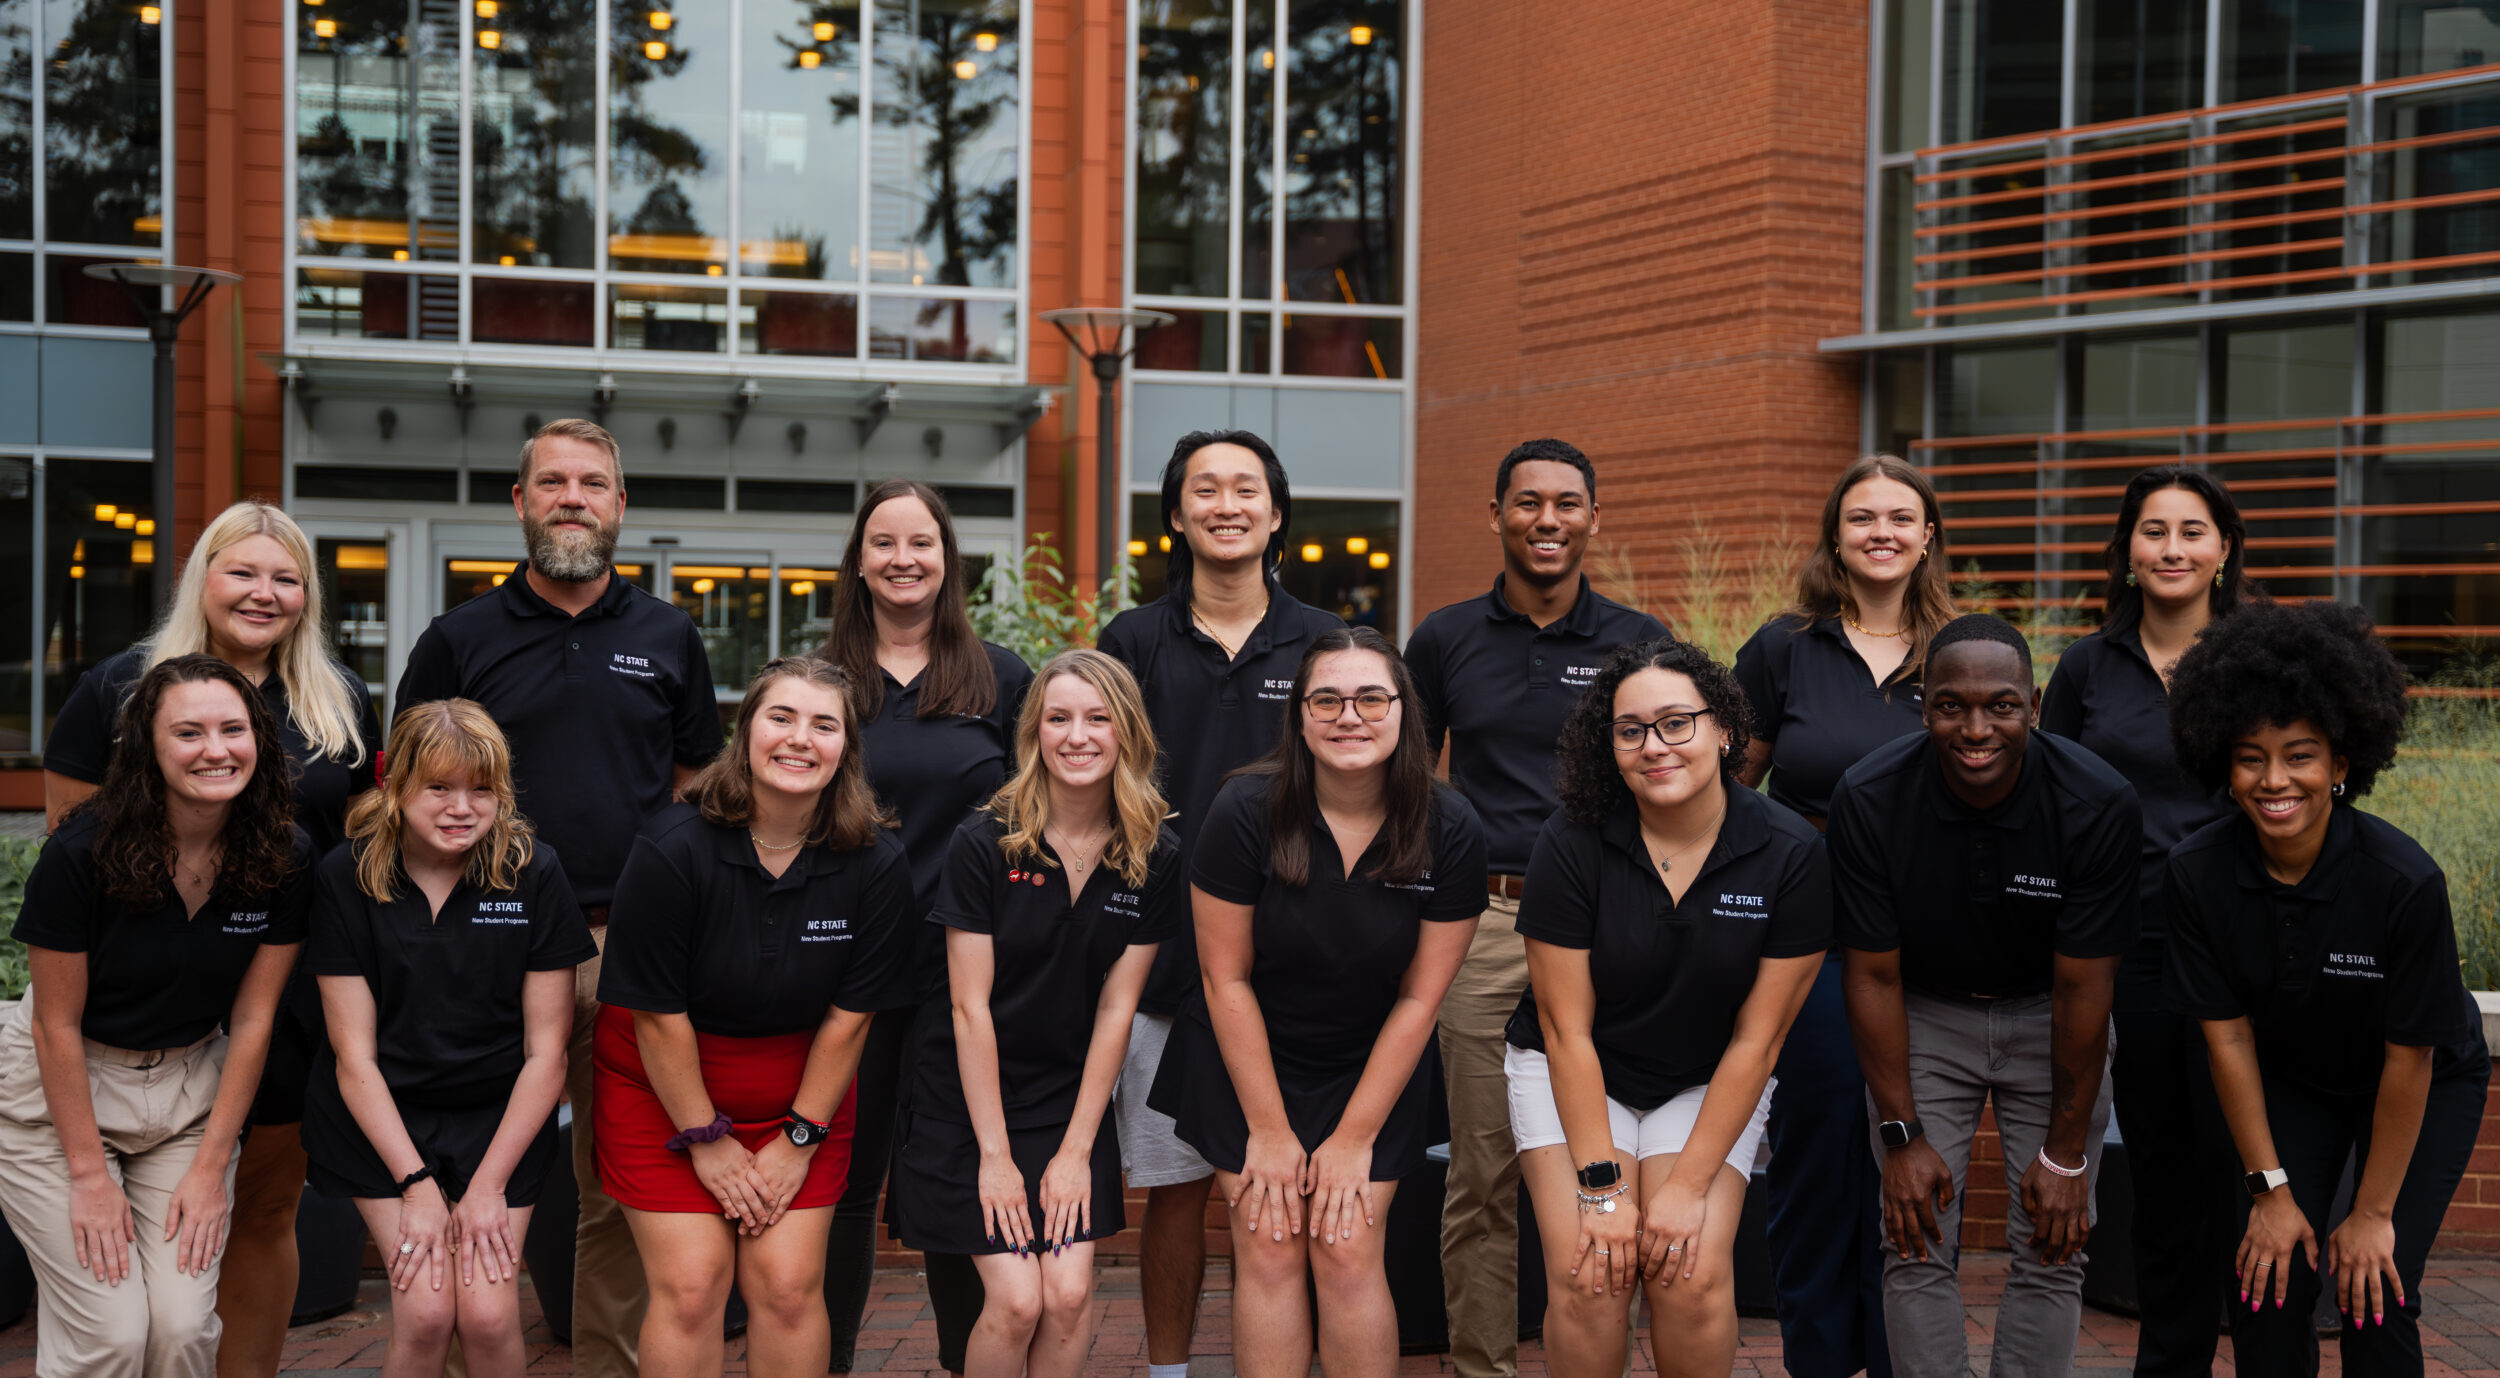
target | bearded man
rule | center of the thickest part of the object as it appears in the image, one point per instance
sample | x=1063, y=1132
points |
x=606, y=697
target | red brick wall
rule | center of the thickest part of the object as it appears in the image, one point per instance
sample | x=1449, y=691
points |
x=1638, y=218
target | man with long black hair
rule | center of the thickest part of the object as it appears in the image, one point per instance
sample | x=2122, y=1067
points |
x=1215, y=659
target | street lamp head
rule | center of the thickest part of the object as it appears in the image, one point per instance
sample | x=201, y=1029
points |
x=1095, y=331
x=144, y=274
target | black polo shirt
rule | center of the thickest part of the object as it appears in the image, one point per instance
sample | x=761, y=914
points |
x=1049, y=959
x=1669, y=977
x=1979, y=902
x=80, y=744
x=701, y=929
x=1499, y=686
x=1818, y=706
x=933, y=772
x=599, y=709
x=1327, y=957
x=156, y=976
x=2360, y=954
x=2105, y=695
x=446, y=987
x=1210, y=717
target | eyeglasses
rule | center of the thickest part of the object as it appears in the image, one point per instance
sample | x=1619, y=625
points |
x=1675, y=729
x=1371, y=705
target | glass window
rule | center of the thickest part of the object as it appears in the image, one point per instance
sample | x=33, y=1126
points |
x=17, y=603
x=2432, y=362
x=2140, y=57
x=342, y=303
x=1900, y=400
x=1907, y=50
x=512, y=311
x=70, y=297
x=2139, y=383
x=355, y=604
x=943, y=176
x=727, y=605
x=807, y=607
x=942, y=330
x=1184, y=148
x=2002, y=61
x=97, y=591
x=1342, y=346
x=798, y=142
x=1258, y=152
x=2468, y=171
x=2002, y=391
x=2419, y=36
x=103, y=141
x=1344, y=179
x=821, y=324
x=17, y=119
x=1257, y=327
x=1897, y=250
x=690, y=320
x=17, y=287
x=668, y=136
x=1342, y=557
x=2278, y=47
x=533, y=127
x=1192, y=343
x=2280, y=372
x=377, y=131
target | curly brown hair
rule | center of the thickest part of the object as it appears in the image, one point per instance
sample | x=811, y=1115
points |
x=1592, y=782
x=2277, y=664
x=134, y=838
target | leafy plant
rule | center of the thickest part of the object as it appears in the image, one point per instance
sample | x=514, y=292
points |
x=1027, y=604
x=17, y=858
x=1719, y=601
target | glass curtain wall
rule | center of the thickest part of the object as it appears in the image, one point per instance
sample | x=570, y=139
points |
x=778, y=177
x=1271, y=186
x=82, y=154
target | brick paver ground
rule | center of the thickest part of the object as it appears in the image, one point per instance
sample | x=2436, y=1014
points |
x=2461, y=1322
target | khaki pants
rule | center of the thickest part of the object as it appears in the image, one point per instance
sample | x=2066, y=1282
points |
x=609, y=1294
x=151, y=1110
x=1480, y=1212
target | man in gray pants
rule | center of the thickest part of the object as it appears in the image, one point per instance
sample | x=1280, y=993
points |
x=1983, y=883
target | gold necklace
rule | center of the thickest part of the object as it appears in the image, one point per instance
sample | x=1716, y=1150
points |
x=1667, y=864
x=1231, y=651
x=775, y=846
x=1082, y=859
x=1860, y=627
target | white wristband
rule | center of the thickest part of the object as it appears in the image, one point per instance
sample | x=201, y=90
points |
x=2052, y=1165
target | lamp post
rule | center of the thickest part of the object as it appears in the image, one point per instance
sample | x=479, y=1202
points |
x=1109, y=336
x=191, y=286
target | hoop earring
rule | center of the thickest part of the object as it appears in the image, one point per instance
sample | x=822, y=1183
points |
x=1922, y=555
x=2339, y=789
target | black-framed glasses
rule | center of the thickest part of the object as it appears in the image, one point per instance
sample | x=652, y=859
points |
x=1371, y=705
x=1675, y=729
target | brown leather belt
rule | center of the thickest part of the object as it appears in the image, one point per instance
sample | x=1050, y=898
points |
x=596, y=914
x=1504, y=884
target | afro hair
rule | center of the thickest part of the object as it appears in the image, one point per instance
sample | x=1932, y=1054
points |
x=2274, y=665
x=1592, y=780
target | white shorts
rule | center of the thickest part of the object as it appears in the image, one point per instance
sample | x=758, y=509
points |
x=1151, y=1154
x=1535, y=1123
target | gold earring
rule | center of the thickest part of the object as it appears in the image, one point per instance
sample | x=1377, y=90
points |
x=2131, y=578
x=2217, y=578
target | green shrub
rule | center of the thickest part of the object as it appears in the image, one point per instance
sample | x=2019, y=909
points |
x=2442, y=791
x=1028, y=606
x=17, y=857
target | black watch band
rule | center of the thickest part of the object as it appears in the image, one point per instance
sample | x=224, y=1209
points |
x=802, y=1131
x=1899, y=1133
x=1600, y=1175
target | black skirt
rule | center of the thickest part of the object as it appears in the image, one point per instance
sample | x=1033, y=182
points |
x=934, y=1204
x=342, y=1162
x=295, y=1040
x=1195, y=1088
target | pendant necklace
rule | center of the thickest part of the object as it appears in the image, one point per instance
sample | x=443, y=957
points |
x=1667, y=863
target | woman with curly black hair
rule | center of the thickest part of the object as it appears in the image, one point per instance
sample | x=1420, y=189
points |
x=2176, y=557
x=1674, y=921
x=169, y=904
x=2314, y=942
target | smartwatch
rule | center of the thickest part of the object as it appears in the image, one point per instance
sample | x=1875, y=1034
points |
x=803, y=1131
x=1898, y=1133
x=2259, y=1183
x=1600, y=1175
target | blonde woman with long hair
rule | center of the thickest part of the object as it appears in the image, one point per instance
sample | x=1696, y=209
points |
x=1054, y=901
x=444, y=940
x=249, y=595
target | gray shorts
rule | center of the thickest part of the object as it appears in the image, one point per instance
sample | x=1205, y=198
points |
x=1151, y=1154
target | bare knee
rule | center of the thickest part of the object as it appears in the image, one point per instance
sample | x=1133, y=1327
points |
x=1336, y=1268
x=1014, y=1309
x=1570, y=1305
x=422, y=1318
x=1706, y=1298
x=1066, y=1296
x=1269, y=1263
x=490, y=1319
x=785, y=1292
x=689, y=1295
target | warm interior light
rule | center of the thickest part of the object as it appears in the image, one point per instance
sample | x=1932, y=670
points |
x=1380, y=559
x=823, y=32
x=1359, y=35
x=1137, y=547
x=803, y=588
x=489, y=39
x=373, y=557
x=506, y=260
x=660, y=20
x=1356, y=545
x=104, y=511
x=986, y=42
x=704, y=586
x=500, y=578
x=399, y=255
x=1164, y=545
x=325, y=28
x=1267, y=59
x=78, y=571
x=655, y=50
x=150, y=14
x=146, y=527
x=1312, y=552
x=966, y=70
x=143, y=552
x=712, y=269
x=488, y=9
x=126, y=520
x=809, y=58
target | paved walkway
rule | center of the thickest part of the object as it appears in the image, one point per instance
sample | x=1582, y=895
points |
x=2461, y=1322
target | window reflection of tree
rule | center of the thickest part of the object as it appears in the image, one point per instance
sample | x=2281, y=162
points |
x=950, y=118
x=533, y=165
x=1184, y=87
x=360, y=69
x=17, y=121
x=1342, y=180
x=642, y=149
x=102, y=138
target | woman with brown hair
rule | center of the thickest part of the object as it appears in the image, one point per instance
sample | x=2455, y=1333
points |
x=444, y=940
x=1336, y=886
x=169, y=903
x=937, y=715
x=1831, y=678
x=1055, y=899
x=757, y=927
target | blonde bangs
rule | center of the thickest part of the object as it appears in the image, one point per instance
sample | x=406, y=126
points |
x=1137, y=805
x=449, y=739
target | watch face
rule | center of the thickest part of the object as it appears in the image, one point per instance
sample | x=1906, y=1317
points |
x=1599, y=1176
x=1895, y=1133
x=801, y=1133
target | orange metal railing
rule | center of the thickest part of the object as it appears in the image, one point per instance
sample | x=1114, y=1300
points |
x=2316, y=192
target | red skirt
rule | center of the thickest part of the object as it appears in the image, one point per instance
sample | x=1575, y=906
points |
x=751, y=1080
